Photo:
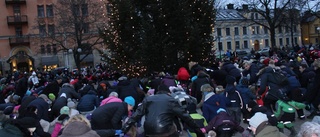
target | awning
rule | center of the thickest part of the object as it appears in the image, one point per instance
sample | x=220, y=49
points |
x=88, y=58
x=52, y=60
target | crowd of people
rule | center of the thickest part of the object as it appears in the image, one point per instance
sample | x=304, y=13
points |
x=265, y=92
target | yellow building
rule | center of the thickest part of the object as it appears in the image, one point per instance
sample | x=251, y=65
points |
x=310, y=26
x=235, y=32
x=24, y=25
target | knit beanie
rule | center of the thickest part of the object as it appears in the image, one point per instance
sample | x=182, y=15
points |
x=52, y=97
x=163, y=87
x=230, y=79
x=70, y=103
x=130, y=100
x=64, y=110
x=257, y=119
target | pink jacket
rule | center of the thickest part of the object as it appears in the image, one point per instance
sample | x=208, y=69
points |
x=109, y=100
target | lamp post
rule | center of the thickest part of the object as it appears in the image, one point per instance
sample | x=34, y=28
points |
x=318, y=29
x=219, y=47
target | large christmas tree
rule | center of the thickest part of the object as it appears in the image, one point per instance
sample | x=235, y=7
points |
x=158, y=35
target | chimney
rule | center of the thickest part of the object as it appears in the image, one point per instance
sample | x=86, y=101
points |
x=230, y=6
x=245, y=6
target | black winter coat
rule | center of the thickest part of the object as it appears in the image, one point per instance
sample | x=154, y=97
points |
x=160, y=111
x=70, y=92
x=88, y=102
x=125, y=88
x=313, y=96
x=267, y=80
x=109, y=116
x=196, y=85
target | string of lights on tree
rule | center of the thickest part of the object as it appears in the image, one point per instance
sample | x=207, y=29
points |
x=157, y=35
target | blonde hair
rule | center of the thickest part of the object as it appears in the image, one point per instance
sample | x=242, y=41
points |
x=79, y=118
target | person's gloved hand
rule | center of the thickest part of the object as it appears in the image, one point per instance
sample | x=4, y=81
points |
x=118, y=132
x=203, y=130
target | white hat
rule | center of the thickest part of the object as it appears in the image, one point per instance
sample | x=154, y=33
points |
x=257, y=119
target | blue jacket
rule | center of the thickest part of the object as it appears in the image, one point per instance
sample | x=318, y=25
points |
x=233, y=96
x=211, y=105
x=245, y=92
x=88, y=102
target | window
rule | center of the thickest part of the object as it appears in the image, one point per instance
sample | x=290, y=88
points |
x=287, y=29
x=42, y=30
x=266, y=42
x=253, y=30
x=265, y=30
x=18, y=31
x=245, y=44
x=16, y=10
x=280, y=42
x=220, y=46
x=49, y=49
x=84, y=9
x=229, y=45
x=280, y=29
x=236, y=31
x=219, y=32
x=256, y=15
x=228, y=31
x=244, y=29
x=85, y=27
x=295, y=40
x=252, y=15
x=49, y=10
x=237, y=45
x=54, y=49
x=51, y=30
x=294, y=28
x=40, y=11
x=75, y=10
x=43, y=50
x=287, y=41
x=257, y=30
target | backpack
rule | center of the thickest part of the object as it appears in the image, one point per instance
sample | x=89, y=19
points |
x=279, y=78
x=183, y=98
x=226, y=129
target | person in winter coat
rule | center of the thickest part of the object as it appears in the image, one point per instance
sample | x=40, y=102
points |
x=169, y=80
x=286, y=110
x=53, y=87
x=261, y=128
x=246, y=95
x=78, y=126
x=113, y=97
x=231, y=70
x=211, y=102
x=235, y=102
x=198, y=118
x=68, y=89
x=109, y=116
x=202, y=79
x=88, y=102
x=125, y=88
x=223, y=124
x=268, y=81
x=22, y=86
x=194, y=68
x=313, y=96
x=159, y=122
x=253, y=108
x=59, y=122
x=24, y=104
x=250, y=69
x=58, y=104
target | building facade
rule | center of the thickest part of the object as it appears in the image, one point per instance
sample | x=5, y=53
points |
x=234, y=31
x=311, y=30
x=24, y=27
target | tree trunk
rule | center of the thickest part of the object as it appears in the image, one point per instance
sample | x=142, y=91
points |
x=272, y=37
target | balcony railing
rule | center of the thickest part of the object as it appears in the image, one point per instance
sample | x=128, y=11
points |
x=19, y=40
x=17, y=20
x=15, y=1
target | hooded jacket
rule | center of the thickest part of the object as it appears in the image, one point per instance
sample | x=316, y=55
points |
x=183, y=74
x=267, y=80
x=211, y=105
x=78, y=129
x=88, y=102
x=202, y=79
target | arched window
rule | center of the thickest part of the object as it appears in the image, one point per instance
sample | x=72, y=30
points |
x=43, y=50
x=49, y=49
